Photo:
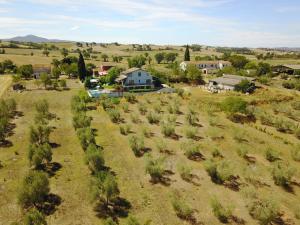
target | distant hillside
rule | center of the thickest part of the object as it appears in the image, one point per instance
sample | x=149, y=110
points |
x=33, y=38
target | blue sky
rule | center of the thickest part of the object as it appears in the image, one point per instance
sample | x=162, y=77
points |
x=251, y=23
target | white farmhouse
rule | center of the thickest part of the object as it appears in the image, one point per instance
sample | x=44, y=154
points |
x=135, y=78
x=205, y=66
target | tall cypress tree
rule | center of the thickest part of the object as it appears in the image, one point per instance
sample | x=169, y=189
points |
x=187, y=54
x=81, y=68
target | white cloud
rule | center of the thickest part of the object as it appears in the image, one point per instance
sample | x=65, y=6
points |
x=74, y=28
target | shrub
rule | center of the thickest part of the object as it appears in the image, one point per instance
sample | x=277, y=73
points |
x=132, y=221
x=146, y=132
x=77, y=105
x=284, y=125
x=264, y=80
x=142, y=108
x=157, y=108
x=94, y=158
x=216, y=153
x=125, y=107
x=222, y=213
x=63, y=83
x=296, y=105
x=131, y=98
x=282, y=174
x=161, y=145
x=134, y=118
x=42, y=107
x=109, y=221
x=244, y=86
x=191, y=117
x=86, y=137
x=180, y=92
x=181, y=209
x=114, y=115
x=34, y=189
x=153, y=118
x=191, y=150
x=272, y=155
x=264, y=210
x=39, y=135
x=219, y=171
x=106, y=103
x=185, y=172
x=155, y=167
x=34, y=217
x=37, y=154
x=191, y=132
x=242, y=152
x=296, y=153
x=136, y=144
x=167, y=129
x=232, y=105
x=288, y=84
x=125, y=129
x=11, y=105
x=81, y=120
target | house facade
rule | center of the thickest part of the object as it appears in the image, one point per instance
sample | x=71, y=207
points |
x=227, y=82
x=206, y=66
x=135, y=78
x=38, y=69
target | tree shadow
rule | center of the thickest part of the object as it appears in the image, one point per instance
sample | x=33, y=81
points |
x=6, y=144
x=117, y=208
x=50, y=204
x=193, y=179
x=164, y=179
x=54, y=145
x=197, y=157
x=142, y=152
x=51, y=168
x=9, y=130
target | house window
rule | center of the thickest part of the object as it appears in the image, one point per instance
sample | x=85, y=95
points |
x=139, y=74
x=131, y=82
x=139, y=81
x=148, y=81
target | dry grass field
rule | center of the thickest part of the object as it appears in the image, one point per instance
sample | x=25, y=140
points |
x=151, y=201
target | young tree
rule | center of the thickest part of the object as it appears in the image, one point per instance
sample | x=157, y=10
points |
x=34, y=189
x=56, y=72
x=193, y=74
x=187, y=54
x=170, y=57
x=104, y=57
x=25, y=71
x=34, y=217
x=159, y=57
x=64, y=52
x=38, y=154
x=46, y=52
x=45, y=79
x=94, y=158
x=81, y=68
x=39, y=135
x=136, y=61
